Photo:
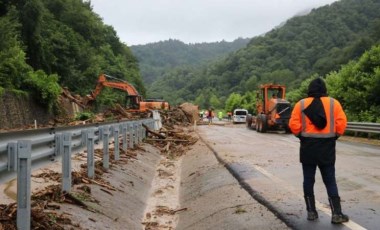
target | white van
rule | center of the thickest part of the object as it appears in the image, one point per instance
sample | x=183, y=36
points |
x=239, y=116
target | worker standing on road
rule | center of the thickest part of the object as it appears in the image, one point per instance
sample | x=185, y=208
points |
x=220, y=115
x=229, y=114
x=206, y=114
x=210, y=115
x=318, y=121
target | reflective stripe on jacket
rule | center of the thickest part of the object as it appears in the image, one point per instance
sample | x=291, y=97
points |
x=300, y=124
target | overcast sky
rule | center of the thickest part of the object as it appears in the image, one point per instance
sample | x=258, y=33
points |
x=195, y=21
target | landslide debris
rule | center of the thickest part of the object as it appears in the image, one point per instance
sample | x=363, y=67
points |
x=46, y=201
x=172, y=139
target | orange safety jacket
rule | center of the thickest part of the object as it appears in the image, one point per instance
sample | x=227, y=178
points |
x=300, y=125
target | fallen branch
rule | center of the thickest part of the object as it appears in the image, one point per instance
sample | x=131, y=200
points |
x=152, y=132
x=98, y=183
x=106, y=191
x=167, y=147
x=175, y=140
x=129, y=155
x=133, y=157
x=178, y=210
x=76, y=200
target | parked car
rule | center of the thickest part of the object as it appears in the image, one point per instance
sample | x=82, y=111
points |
x=239, y=116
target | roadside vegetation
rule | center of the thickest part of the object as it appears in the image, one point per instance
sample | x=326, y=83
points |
x=46, y=45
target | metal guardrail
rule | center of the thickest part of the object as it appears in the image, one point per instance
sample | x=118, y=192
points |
x=45, y=143
x=363, y=127
x=18, y=150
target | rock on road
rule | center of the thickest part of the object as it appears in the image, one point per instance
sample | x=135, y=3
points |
x=267, y=165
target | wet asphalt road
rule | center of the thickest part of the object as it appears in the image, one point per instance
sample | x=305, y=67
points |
x=267, y=165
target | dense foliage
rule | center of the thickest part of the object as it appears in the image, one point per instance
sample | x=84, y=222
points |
x=158, y=58
x=62, y=41
x=311, y=45
x=357, y=86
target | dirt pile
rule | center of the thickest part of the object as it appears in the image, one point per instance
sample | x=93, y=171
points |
x=191, y=111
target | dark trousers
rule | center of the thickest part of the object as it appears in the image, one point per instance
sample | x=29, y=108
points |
x=328, y=177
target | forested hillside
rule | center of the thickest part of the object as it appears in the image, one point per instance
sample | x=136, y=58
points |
x=305, y=46
x=158, y=58
x=46, y=44
x=356, y=85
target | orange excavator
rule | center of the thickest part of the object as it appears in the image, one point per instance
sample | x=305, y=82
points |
x=135, y=102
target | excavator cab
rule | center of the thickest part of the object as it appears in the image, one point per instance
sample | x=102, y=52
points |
x=133, y=102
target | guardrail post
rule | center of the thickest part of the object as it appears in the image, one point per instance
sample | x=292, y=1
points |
x=135, y=132
x=152, y=125
x=57, y=144
x=157, y=120
x=90, y=154
x=142, y=131
x=24, y=152
x=66, y=162
x=101, y=133
x=84, y=137
x=106, y=155
x=130, y=130
x=12, y=156
x=124, y=131
x=139, y=126
x=116, y=144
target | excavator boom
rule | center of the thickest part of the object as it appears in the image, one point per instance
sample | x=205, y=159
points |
x=136, y=103
x=122, y=85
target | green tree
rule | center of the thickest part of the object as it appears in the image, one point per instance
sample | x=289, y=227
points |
x=300, y=93
x=63, y=40
x=357, y=86
x=233, y=102
x=248, y=101
x=215, y=102
x=31, y=16
x=45, y=87
x=13, y=68
x=200, y=101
